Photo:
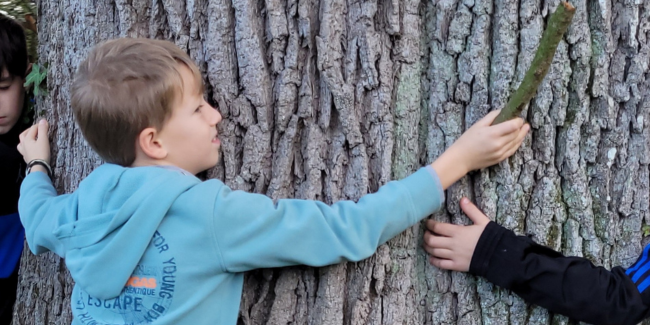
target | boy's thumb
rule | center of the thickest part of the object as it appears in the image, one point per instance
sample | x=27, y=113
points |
x=43, y=125
x=473, y=212
x=43, y=128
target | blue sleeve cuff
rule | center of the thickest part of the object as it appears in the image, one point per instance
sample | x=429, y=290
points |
x=441, y=190
x=35, y=176
x=426, y=192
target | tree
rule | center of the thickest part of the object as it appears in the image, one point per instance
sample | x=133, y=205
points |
x=330, y=99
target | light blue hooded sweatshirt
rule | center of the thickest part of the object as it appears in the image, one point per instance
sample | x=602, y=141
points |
x=154, y=245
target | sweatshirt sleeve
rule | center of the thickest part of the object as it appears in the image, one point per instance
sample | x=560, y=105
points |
x=571, y=286
x=39, y=206
x=252, y=231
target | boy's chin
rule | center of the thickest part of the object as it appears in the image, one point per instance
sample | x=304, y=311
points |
x=4, y=129
x=212, y=164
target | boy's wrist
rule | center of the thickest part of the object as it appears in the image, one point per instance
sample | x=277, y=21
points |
x=39, y=165
x=38, y=168
x=450, y=166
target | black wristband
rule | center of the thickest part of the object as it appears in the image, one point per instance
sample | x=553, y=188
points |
x=39, y=162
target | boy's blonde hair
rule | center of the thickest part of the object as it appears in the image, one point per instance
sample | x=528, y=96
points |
x=124, y=86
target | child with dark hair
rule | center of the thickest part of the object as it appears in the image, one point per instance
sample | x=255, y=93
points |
x=13, y=67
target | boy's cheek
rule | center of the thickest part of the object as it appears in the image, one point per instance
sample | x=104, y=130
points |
x=11, y=102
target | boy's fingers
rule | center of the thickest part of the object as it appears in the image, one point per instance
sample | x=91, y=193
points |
x=43, y=128
x=23, y=134
x=440, y=228
x=432, y=241
x=508, y=127
x=444, y=229
x=441, y=253
x=31, y=133
x=442, y=263
x=509, y=138
x=429, y=224
x=473, y=212
x=523, y=132
x=518, y=141
x=489, y=118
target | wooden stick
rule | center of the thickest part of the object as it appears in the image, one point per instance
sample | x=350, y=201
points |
x=557, y=26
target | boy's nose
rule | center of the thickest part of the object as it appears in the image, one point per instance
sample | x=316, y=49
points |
x=216, y=117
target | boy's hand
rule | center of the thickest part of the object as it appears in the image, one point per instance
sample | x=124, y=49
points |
x=484, y=145
x=481, y=146
x=34, y=143
x=452, y=246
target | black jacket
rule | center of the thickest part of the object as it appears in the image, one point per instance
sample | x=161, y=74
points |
x=12, y=169
x=571, y=286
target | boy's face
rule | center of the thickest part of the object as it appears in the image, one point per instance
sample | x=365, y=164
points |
x=12, y=95
x=190, y=135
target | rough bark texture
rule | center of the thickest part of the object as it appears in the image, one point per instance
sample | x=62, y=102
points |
x=329, y=99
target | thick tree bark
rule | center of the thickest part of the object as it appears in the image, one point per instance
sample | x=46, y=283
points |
x=329, y=99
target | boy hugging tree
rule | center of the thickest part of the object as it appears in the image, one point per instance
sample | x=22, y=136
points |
x=147, y=241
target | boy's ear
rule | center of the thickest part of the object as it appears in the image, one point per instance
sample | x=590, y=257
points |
x=150, y=144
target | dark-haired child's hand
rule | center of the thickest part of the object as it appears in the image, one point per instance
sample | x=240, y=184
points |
x=34, y=143
x=452, y=246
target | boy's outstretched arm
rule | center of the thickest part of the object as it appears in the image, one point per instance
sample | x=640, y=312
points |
x=571, y=286
x=252, y=231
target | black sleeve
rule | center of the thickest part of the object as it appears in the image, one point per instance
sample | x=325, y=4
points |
x=11, y=175
x=571, y=286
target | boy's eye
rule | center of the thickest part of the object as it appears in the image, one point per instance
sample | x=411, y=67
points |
x=198, y=109
x=4, y=87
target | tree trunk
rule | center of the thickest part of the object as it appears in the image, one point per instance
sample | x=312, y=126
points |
x=330, y=99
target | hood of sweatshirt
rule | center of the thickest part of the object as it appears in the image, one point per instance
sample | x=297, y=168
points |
x=110, y=221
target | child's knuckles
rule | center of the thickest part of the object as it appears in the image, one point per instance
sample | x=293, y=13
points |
x=512, y=131
x=426, y=248
x=440, y=228
x=515, y=124
x=518, y=122
x=437, y=228
x=428, y=238
x=511, y=151
x=504, y=149
x=497, y=145
x=448, y=264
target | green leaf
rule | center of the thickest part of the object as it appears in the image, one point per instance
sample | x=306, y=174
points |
x=35, y=80
x=33, y=76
